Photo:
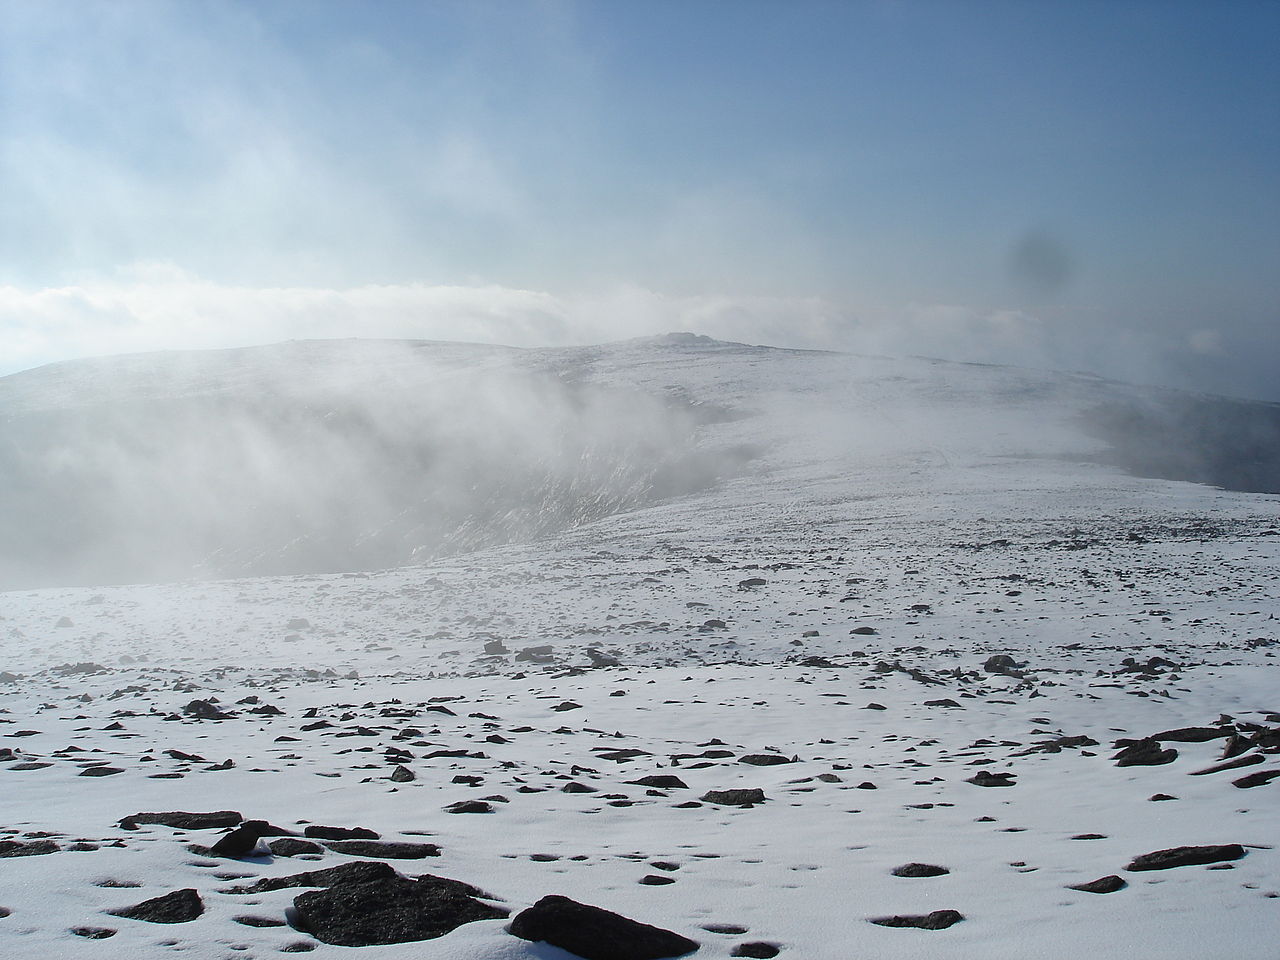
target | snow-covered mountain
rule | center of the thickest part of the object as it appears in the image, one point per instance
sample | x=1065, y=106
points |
x=529, y=615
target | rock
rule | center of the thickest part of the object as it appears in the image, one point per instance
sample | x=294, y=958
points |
x=1145, y=753
x=1235, y=763
x=240, y=842
x=402, y=774
x=292, y=847
x=385, y=849
x=596, y=934
x=735, y=798
x=661, y=782
x=93, y=933
x=390, y=910
x=469, y=806
x=765, y=759
x=1161, y=796
x=1004, y=664
x=249, y=920
x=320, y=832
x=362, y=871
x=937, y=920
x=1186, y=856
x=1194, y=734
x=985, y=778
x=181, y=906
x=100, y=771
x=656, y=880
x=920, y=870
x=1108, y=884
x=730, y=928
x=755, y=948
x=204, y=710
x=1256, y=779
x=31, y=848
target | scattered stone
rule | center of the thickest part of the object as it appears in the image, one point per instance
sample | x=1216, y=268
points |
x=252, y=921
x=985, y=778
x=385, y=849
x=1156, y=797
x=320, y=832
x=765, y=759
x=102, y=771
x=393, y=909
x=596, y=934
x=204, y=710
x=730, y=928
x=240, y=842
x=735, y=798
x=656, y=880
x=1248, y=760
x=1256, y=779
x=920, y=870
x=937, y=920
x=93, y=933
x=362, y=871
x=292, y=847
x=1186, y=856
x=1145, y=753
x=469, y=806
x=755, y=948
x=402, y=774
x=32, y=848
x=181, y=906
x=1194, y=734
x=1109, y=884
x=660, y=782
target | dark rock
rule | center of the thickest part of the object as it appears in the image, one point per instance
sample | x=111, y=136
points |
x=204, y=710
x=937, y=920
x=385, y=849
x=1161, y=796
x=920, y=870
x=252, y=921
x=661, y=782
x=596, y=934
x=1145, y=753
x=292, y=847
x=320, y=832
x=948, y=702
x=1194, y=734
x=33, y=848
x=1004, y=664
x=93, y=933
x=390, y=910
x=469, y=806
x=1186, y=856
x=402, y=774
x=100, y=771
x=765, y=759
x=755, y=948
x=185, y=821
x=735, y=798
x=1108, y=884
x=1235, y=763
x=240, y=842
x=181, y=906
x=1256, y=779
x=362, y=871
x=729, y=928
x=985, y=778
x=656, y=880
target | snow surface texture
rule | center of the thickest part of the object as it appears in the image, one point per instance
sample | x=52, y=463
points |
x=853, y=539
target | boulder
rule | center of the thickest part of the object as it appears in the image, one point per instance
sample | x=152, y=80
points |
x=594, y=933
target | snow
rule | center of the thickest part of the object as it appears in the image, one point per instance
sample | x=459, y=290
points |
x=872, y=486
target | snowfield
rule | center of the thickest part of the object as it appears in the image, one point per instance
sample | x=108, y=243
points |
x=911, y=602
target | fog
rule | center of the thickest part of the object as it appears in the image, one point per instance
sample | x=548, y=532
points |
x=319, y=457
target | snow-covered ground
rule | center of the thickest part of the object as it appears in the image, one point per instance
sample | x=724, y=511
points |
x=871, y=532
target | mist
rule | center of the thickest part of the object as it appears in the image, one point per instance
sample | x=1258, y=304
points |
x=321, y=457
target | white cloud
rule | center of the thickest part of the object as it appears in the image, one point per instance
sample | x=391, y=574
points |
x=159, y=306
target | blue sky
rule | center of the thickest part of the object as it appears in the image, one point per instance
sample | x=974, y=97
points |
x=1073, y=184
